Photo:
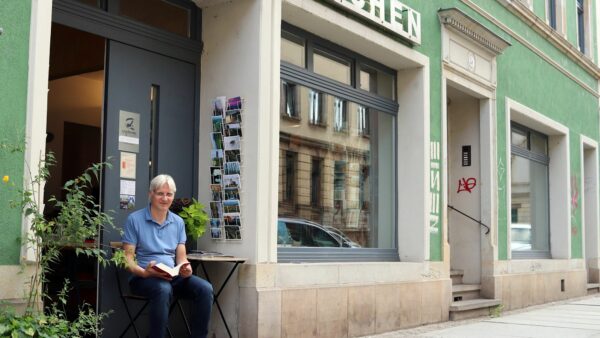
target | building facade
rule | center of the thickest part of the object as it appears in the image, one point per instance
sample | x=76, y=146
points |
x=402, y=162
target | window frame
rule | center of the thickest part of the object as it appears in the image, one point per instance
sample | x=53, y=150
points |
x=348, y=93
x=543, y=159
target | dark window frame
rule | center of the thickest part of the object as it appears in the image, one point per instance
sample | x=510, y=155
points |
x=581, y=25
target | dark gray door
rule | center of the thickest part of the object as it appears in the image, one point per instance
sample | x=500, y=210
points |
x=158, y=96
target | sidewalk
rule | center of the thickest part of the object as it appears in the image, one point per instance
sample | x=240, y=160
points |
x=572, y=318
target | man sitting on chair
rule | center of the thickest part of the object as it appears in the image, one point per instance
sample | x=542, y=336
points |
x=156, y=235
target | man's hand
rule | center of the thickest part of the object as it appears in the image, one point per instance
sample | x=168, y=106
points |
x=153, y=273
x=186, y=270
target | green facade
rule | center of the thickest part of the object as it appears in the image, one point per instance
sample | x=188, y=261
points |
x=14, y=49
x=525, y=77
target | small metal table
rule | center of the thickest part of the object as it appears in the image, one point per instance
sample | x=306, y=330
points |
x=202, y=258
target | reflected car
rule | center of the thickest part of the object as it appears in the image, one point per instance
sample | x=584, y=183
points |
x=520, y=237
x=298, y=232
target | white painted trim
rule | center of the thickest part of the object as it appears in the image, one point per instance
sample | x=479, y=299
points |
x=559, y=174
x=37, y=99
x=589, y=217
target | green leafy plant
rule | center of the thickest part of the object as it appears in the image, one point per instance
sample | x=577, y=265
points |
x=193, y=214
x=79, y=219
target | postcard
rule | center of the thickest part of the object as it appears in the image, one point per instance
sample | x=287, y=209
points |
x=231, y=206
x=232, y=194
x=216, y=210
x=231, y=181
x=216, y=140
x=215, y=233
x=216, y=176
x=232, y=156
x=233, y=116
x=233, y=129
x=219, y=105
x=232, y=143
x=232, y=168
x=232, y=219
x=234, y=103
x=217, y=123
x=215, y=222
x=233, y=232
x=216, y=157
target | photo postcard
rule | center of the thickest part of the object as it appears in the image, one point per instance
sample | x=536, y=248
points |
x=233, y=129
x=232, y=168
x=217, y=123
x=232, y=143
x=215, y=233
x=219, y=105
x=216, y=156
x=215, y=222
x=216, y=176
x=216, y=140
x=231, y=206
x=233, y=116
x=232, y=219
x=232, y=194
x=231, y=181
x=232, y=156
x=233, y=232
x=216, y=210
x=234, y=103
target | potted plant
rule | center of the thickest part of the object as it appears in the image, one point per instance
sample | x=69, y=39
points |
x=194, y=217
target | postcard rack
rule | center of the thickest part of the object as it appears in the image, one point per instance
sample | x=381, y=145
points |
x=225, y=169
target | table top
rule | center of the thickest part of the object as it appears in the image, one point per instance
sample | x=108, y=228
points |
x=215, y=258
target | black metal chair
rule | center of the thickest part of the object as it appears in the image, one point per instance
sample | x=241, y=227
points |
x=127, y=296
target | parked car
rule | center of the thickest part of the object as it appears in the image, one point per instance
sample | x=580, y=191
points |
x=520, y=237
x=300, y=232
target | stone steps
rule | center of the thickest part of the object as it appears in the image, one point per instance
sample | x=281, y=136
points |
x=465, y=291
x=472, y=308
x=593, y=288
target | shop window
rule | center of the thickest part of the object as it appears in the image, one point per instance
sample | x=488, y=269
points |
x=316, y=112
x=340, y=123
x=345, y=182
x=165, y=15
x=331, y=66
x=530, y=221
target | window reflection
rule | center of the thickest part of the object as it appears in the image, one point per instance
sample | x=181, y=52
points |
x=343, y=181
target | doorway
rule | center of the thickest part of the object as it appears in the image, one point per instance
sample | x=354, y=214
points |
x=464, y=193
x=589, y=198
x=75, y=100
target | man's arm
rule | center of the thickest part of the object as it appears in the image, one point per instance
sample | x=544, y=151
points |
x=129, y=250
x=181, y=257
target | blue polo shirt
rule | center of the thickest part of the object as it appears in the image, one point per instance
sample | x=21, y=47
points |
x=153, y=241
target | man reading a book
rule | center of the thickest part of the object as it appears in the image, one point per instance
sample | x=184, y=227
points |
x=155, y=236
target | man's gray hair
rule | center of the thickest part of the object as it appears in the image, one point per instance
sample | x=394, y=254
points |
x=161, y=180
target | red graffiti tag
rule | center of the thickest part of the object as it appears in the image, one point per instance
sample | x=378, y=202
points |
x=466, y=184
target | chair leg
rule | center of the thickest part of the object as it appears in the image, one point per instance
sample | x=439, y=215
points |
x=132, y=320
x=187, y=325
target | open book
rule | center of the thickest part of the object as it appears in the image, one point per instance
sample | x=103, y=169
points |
x=174, y=271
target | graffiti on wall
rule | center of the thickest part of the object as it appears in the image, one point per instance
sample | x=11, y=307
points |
x=466, y=184
x=434, y=186
x=574, y=204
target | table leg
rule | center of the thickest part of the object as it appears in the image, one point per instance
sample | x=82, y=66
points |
x=216, y=295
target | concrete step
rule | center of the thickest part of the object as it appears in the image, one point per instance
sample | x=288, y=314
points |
x=465, y=291
x=472, y=308
x=456, y=276
x=593, y=288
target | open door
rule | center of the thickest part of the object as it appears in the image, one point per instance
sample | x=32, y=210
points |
x=150, y=120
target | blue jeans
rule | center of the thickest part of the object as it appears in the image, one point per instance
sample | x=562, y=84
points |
x=161, y=293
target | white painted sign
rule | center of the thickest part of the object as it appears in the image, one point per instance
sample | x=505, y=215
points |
x=391, y=14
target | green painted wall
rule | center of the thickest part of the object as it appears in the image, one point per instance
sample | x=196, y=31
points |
x=528, y=79
x=14, y=52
